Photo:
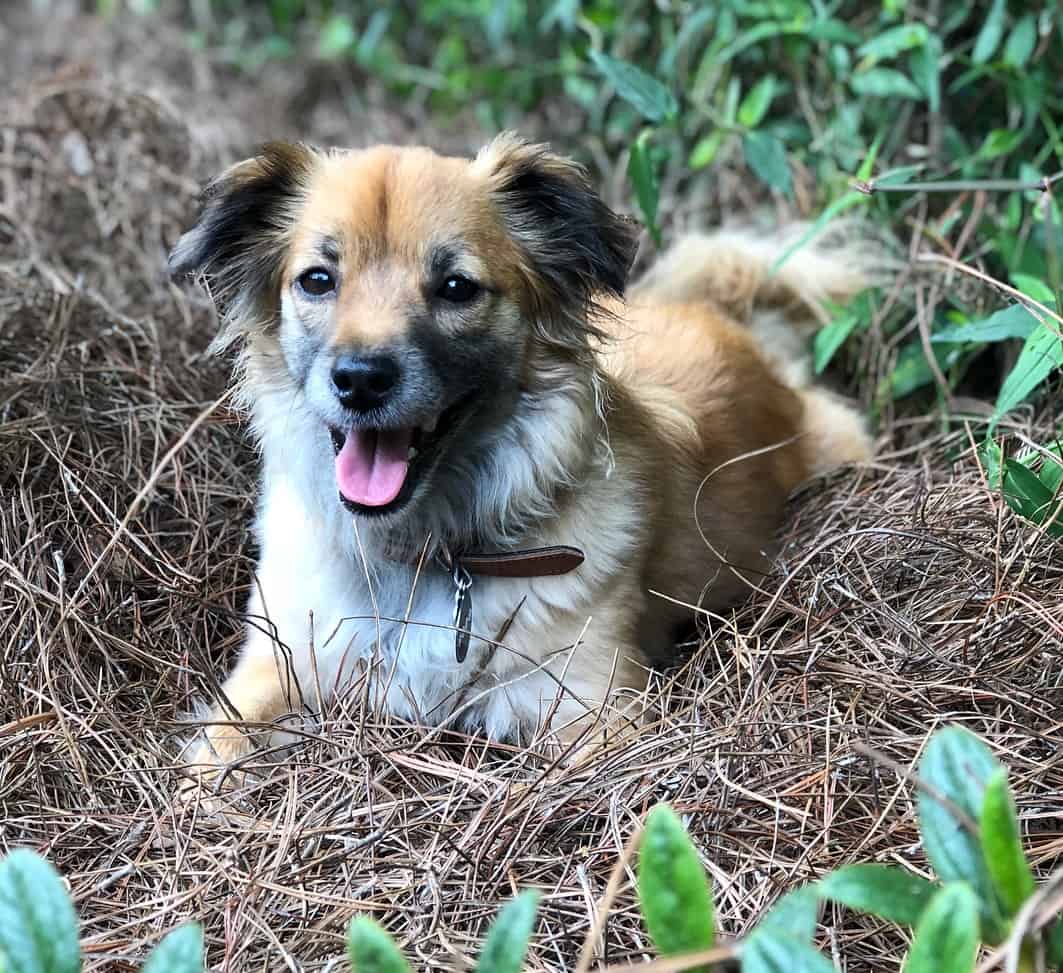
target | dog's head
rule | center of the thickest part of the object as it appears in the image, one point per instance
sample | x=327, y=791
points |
x=414, y=298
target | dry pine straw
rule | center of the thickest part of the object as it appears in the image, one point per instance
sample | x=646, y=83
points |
x=907, y=596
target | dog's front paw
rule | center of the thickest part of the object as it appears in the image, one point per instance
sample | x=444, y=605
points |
x=213, y=766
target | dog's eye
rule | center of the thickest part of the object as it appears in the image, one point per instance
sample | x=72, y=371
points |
x=458, y=289
x=316, y=282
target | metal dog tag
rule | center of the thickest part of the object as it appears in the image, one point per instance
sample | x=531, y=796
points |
x=462, y=610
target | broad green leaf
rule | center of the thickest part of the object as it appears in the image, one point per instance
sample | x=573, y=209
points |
x=1012, y=322
x=692, y=26
x=179, y=952
x=1054, y=945
x=1051, y=474
x=868, y=165
x=999, y=142
x=894, y=41
x=507, y=939
x=946, y=938
x=957, y=765
x=925, y=65
x=38, y=925
x=706, y=149
x=771, y=951
x=1021, y=42
x=1035, y=288
x=1002, y=845
x=1025, y=492
x=884, y=83
x=795, y=914
x=766, y=156
x=912, y=371
x=991, y=33
x=643, y=175
x=336, y=37
x=756, y=103
x=1042, y=353
x=371, y=950
x=834, y=31
x=883, y=891
x=644, y=92
x=672, y=887
x=830, y=338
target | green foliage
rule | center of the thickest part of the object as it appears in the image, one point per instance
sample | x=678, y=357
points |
x=38, y=926
x=957, y=766
x=946, y=939
x=371, y=950
x=180, y=952
x=673, y=888
x=969, y=828
x=507, y=940
x=881, y=890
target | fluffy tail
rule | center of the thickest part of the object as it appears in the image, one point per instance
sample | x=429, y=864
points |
x=735, y=271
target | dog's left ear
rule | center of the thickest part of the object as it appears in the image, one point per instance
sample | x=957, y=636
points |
x=576, y=247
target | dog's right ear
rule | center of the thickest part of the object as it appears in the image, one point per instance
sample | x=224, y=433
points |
x=239, y=238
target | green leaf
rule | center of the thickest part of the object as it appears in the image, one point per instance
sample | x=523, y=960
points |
x=336, y=37
x=1000, y=142
x=1054, y=945
x=1021, y=43
x=990, y=34
x=643, y=175
x=756, y=103
x=38, y=925
x=1025, y=492
x=672, y=887
x=946, y=939
x=507, y=939
x=770, y=951
x=830, y=338
x=957, y=765
x=1012, y=322
x=371, y=950
x=706, y=149
x=766, y=156
x=894, y=41
x=1002, y=845
x=795, y=914
x=1042, y=353
x=992, y=458
x=179, y=952
x=1051, y=474
x=883, y=891
x=1034, y=288
x=644, y=92
x=925, y=65
x=884, y=83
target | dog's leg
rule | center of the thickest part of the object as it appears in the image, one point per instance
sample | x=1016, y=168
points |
x=261, y=689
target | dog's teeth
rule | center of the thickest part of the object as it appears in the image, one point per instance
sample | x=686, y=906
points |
x=412, y=455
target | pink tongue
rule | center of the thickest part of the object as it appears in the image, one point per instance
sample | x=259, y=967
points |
x=371, y=467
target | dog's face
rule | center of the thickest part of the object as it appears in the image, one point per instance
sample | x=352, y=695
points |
x=414, y=297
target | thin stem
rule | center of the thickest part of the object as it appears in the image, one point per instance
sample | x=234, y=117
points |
x=1043, y=185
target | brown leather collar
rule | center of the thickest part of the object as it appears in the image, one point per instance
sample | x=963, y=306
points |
x=535, y=562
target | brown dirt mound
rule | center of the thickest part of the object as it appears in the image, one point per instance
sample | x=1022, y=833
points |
x=908, y=595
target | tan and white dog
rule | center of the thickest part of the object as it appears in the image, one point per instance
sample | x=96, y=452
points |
x=465, y=427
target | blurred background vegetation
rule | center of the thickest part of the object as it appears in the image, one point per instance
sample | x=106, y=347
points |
x=793, y=105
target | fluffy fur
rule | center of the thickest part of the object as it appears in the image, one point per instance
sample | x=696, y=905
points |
x=658, y=434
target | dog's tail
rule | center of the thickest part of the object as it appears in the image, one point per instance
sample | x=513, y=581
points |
x=780, y=289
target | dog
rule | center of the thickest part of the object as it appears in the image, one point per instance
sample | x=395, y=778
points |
x=493, y=487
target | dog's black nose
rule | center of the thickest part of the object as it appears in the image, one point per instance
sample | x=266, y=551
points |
x=364, y=382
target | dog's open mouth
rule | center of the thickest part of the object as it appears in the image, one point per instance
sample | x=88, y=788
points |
x=377, y=469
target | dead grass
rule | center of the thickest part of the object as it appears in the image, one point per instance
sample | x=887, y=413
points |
x=908, y=596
